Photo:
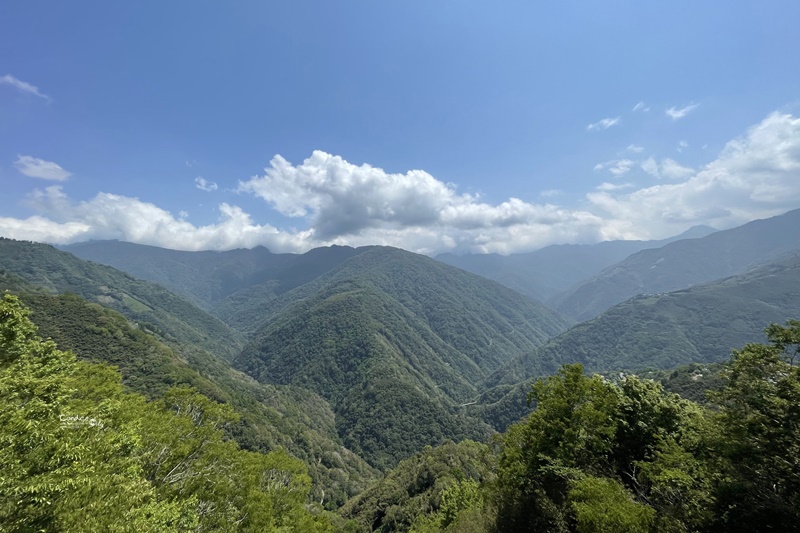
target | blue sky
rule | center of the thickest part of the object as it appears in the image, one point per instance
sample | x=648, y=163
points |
x=429, y=125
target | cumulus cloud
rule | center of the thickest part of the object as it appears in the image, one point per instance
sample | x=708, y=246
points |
x=604, y=124
x=677, y=113
x=667, y=169
x=617, y=167
x=346, y=201
x=23, y=87
x=39, y=168
x=337, y=202
x=111, y=216
x=205, y=185
x=755, y=176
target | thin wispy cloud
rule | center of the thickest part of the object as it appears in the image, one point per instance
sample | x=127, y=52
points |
x=205, y=185
x=551, y=193
x=682, y=145
x=606, y=186
x=634, y=148
x=666, y=169
x=641, y=107
x=677, y=113
x=23, y=86
x=34, y=167
x=604, y=124
x=617, y=167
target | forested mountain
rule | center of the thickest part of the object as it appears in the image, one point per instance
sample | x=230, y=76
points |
x=383, y=352
x=396, y=341
x=148, y=304
x=81, y=453
x=151, y=361
x=553, y=269
x=701, y=324
x=697, y=325
x=207, y=278
x=683, y=263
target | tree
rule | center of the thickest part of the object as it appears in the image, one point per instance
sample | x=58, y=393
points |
x=67, y=463
x=759, y=440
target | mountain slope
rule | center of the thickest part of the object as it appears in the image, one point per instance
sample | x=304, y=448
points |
x=207, y=278
x=700, y=324
x=271, y=416
x=146, y=303
x=396, y=342
x=682, y=264
x=553, y=269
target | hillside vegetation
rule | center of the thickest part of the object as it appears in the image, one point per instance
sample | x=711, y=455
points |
x=397, y=342
x=269, y=416
x=80, y=453
x=701, y=324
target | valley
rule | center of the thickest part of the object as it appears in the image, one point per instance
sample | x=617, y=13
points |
x=398, y=381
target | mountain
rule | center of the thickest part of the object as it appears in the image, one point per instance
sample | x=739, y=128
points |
x=553, y=269
x=151, y=360
x=150, y=305
x=207, y=278
x=683, y=263
x=701, y=324
x=396, y=342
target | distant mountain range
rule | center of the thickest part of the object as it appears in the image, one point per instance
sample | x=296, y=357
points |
x=683, y=263
x=554, y=269
x=398, y=350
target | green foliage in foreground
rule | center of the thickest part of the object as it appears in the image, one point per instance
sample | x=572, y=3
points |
x=81, y=454
x=600, y=456
x=269, y=416
x=419, y=485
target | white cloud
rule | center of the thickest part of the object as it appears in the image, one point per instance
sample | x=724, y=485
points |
x=22, y=86
x=337, y=202
x=650, y=166
x=606, y=186
x=755, y=176
x=682, y=145
x=111, y=216
x=39, y=168
x=668, y=168
x=676, y=113
x=617, y=167
x=205, y=185
x=641, y=107
x=636, y=149
x=348, y=203
x=604, y=124
x=671, y=170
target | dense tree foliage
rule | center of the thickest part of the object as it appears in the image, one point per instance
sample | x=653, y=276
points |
x=431, y=488
x=270, y=416
x=626, y=455
x=81, y=454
